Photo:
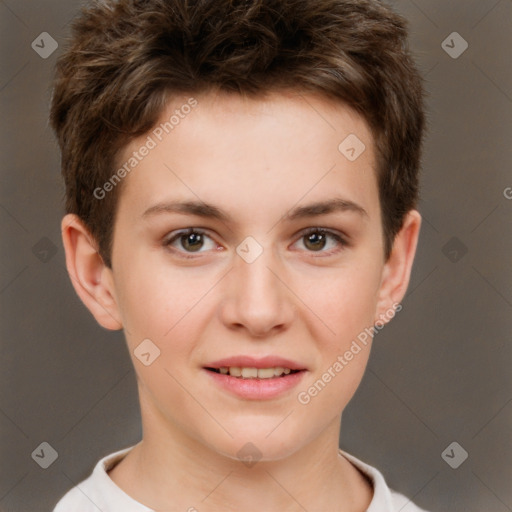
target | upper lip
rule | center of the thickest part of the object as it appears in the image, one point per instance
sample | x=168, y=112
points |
x=255, y=362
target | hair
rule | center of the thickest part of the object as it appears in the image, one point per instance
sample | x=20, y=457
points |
x=127, y=58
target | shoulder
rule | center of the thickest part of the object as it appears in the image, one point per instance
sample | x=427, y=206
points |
x=84, y=497
x=98, y=493
x=403, y=504
x=77, y=499
x=384, y=499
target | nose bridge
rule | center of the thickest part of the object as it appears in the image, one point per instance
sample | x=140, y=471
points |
x=256, y=278
x=258, y=300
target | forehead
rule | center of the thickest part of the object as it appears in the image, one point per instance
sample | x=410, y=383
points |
x=247, y=153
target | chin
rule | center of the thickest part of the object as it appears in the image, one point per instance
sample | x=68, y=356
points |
x=257, y=441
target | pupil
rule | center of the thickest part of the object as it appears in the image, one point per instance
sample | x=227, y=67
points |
x=313, y=241
x=192, y=242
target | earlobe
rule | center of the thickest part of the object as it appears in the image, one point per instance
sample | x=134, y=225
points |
x=397, y=270
x=90, y=277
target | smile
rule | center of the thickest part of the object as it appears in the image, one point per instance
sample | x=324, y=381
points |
x=253, y=373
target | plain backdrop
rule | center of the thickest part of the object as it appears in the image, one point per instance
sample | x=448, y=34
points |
x=439, y=374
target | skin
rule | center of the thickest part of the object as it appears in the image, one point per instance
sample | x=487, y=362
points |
x=256, y=159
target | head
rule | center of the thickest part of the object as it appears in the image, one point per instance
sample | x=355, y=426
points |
x=264, y=120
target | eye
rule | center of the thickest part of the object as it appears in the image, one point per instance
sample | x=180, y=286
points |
x=191, y=240
x=322, y=240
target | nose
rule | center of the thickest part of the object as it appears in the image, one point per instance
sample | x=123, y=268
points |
x=257, y=301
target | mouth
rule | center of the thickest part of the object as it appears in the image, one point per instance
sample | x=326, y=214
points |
x=249, y=372
x=252, y=378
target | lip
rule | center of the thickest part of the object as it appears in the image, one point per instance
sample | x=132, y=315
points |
x=256, y=389
x=245, y=361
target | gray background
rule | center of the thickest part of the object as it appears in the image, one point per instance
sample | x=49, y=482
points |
x=439, y=373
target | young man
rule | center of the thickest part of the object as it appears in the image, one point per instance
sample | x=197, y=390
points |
x=241, y=185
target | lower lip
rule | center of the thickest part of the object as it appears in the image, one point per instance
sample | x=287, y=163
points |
x=257, y=389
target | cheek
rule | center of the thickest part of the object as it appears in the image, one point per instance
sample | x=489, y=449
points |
x=161, y=303
x=344, y=309
x=343, y=302
x=144, y=306
x=165, y=307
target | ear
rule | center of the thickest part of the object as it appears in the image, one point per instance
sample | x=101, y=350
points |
x=92, y=279
x=397, y=270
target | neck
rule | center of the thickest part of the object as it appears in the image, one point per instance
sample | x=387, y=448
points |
x=170, y=470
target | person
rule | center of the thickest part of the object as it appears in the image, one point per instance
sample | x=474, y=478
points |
x=241, y=188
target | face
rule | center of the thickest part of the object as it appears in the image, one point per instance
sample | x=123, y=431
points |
x=246, y=238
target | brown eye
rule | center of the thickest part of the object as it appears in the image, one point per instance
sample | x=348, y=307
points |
x=322, y=241
x=189, y=241
x=315, y=241
x=192, y=242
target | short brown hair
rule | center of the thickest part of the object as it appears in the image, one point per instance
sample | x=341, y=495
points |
x=127, y=57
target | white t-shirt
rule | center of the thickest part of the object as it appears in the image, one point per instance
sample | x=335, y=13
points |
x=99, y=493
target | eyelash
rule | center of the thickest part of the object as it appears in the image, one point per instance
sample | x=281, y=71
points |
x=342, y=243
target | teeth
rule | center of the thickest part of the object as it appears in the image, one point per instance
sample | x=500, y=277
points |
x=235, y=371
x=265, y=373
x=253, y=373
x=249, y=373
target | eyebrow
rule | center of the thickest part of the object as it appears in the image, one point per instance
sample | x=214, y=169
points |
x=206, y=210
x=198, y=208
x=324, y=208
